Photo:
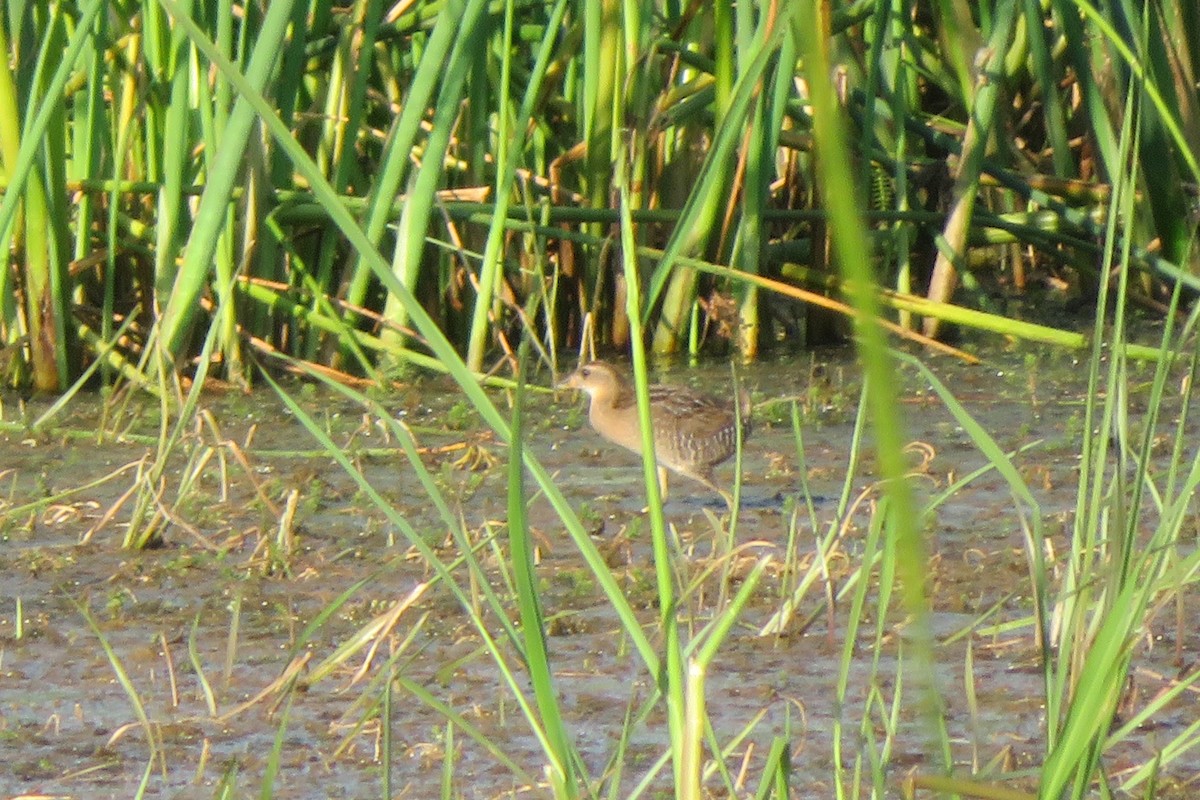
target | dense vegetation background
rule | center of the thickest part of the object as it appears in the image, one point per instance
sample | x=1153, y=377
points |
x=218, y=180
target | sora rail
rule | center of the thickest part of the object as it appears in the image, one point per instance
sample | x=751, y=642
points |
x=692, y=432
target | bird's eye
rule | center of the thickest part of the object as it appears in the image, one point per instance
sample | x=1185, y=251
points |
x=585, y=372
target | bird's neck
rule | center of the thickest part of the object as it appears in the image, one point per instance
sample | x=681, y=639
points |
x=622, y=396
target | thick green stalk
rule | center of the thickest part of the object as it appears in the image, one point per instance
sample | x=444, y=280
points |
x=177, y=143
x=850, y=247
x=212, y=218
x=533, y=628
x=46, y=283
x=510, y=141
x=952, y=252
x=407, y=258
x=691, y=229
x=401, y=142
x=671, y=681
x=764, y=141
x=1048, y=78
x=491, y=268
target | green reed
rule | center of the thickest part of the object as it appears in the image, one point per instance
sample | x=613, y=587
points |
x=154, y=156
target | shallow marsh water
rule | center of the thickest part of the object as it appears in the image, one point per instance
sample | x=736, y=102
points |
x=217, y=588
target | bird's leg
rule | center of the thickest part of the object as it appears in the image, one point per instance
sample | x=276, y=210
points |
x=662, y=487
x=707, y=481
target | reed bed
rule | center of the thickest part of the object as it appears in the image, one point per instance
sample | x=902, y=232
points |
x=228, y=182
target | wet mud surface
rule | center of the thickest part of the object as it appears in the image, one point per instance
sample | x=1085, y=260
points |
x=172, y=665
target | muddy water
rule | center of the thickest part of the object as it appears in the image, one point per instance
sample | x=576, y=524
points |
x=215, y=606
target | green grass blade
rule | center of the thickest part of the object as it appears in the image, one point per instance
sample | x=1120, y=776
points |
x=212, y=217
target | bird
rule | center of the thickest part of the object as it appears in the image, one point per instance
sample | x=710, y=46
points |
x=693, y=432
